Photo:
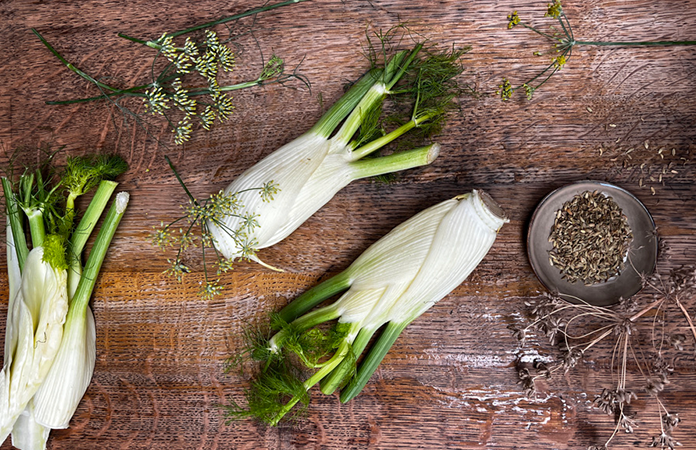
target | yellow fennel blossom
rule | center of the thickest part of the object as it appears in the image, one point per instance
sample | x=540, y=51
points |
x=505, y=90
x=555, y=9
x=513, y=19
x=206, y=57
x=562, y=40
x=559, y=62
x=529, y=91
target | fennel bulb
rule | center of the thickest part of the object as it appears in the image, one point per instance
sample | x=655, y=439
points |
x=311, y=169
x=391, y=284
x=49, y=321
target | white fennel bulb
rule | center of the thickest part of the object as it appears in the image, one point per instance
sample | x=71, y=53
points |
x=59, y=395
x=307, y=172
x=391, y=284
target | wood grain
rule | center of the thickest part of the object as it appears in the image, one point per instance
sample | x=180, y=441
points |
x=450, y=381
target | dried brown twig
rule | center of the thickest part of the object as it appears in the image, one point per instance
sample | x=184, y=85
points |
x=640, y=334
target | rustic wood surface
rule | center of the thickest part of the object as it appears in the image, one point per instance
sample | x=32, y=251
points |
x=450, y=381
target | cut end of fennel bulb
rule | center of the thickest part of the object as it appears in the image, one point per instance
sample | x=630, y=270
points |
x=121, y=202
x=434, y=152
x=489, y=210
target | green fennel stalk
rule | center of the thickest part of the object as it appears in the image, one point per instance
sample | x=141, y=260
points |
x=13, y=213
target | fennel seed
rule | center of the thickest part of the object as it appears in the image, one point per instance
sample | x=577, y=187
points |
x=590, y=239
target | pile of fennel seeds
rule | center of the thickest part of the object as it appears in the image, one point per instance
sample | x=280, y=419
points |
x=590, y=238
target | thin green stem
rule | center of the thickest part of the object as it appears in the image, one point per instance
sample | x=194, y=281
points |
x=181, y=182
x=347, y=103
x=26, y=183
x=374, y=96
x=251, y=12
x=36, y=227
x=69, y=65
x=387, y=138
x=569, y=34
x=91, y=216
x=372, y=360
x=393, y=72
x=528, y=82
x=567, y=27
x=548, y=36
x=88, y=280
x=392, y=66
x=545, y=79
x=315, y=295
x=286, y=409
x=12, y=210
x=403, y=67
x=372, y=167
x=233, y=87
x=643, y=43
x=84, y=230
x=138, y=41
x=187, y=233
x=338, y=376
x=70, y=201
x=339, y=356
x=314, y=318
x=205, y=266
x=330, y=365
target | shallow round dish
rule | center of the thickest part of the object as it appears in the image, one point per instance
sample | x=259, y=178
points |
x=642, y=253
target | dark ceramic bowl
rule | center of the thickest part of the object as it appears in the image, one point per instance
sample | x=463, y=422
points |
x=641, y=258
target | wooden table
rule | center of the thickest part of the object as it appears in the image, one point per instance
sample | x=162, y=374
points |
x=450, y=381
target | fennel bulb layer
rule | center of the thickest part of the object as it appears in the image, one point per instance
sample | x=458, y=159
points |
x=34, y=333
x=420, y=261
x=59, y=395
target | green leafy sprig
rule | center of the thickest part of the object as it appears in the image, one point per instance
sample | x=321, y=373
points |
x=171, y=93
x=420, y=99
x=563, y=40
x=191, y=230
x=281, y=383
